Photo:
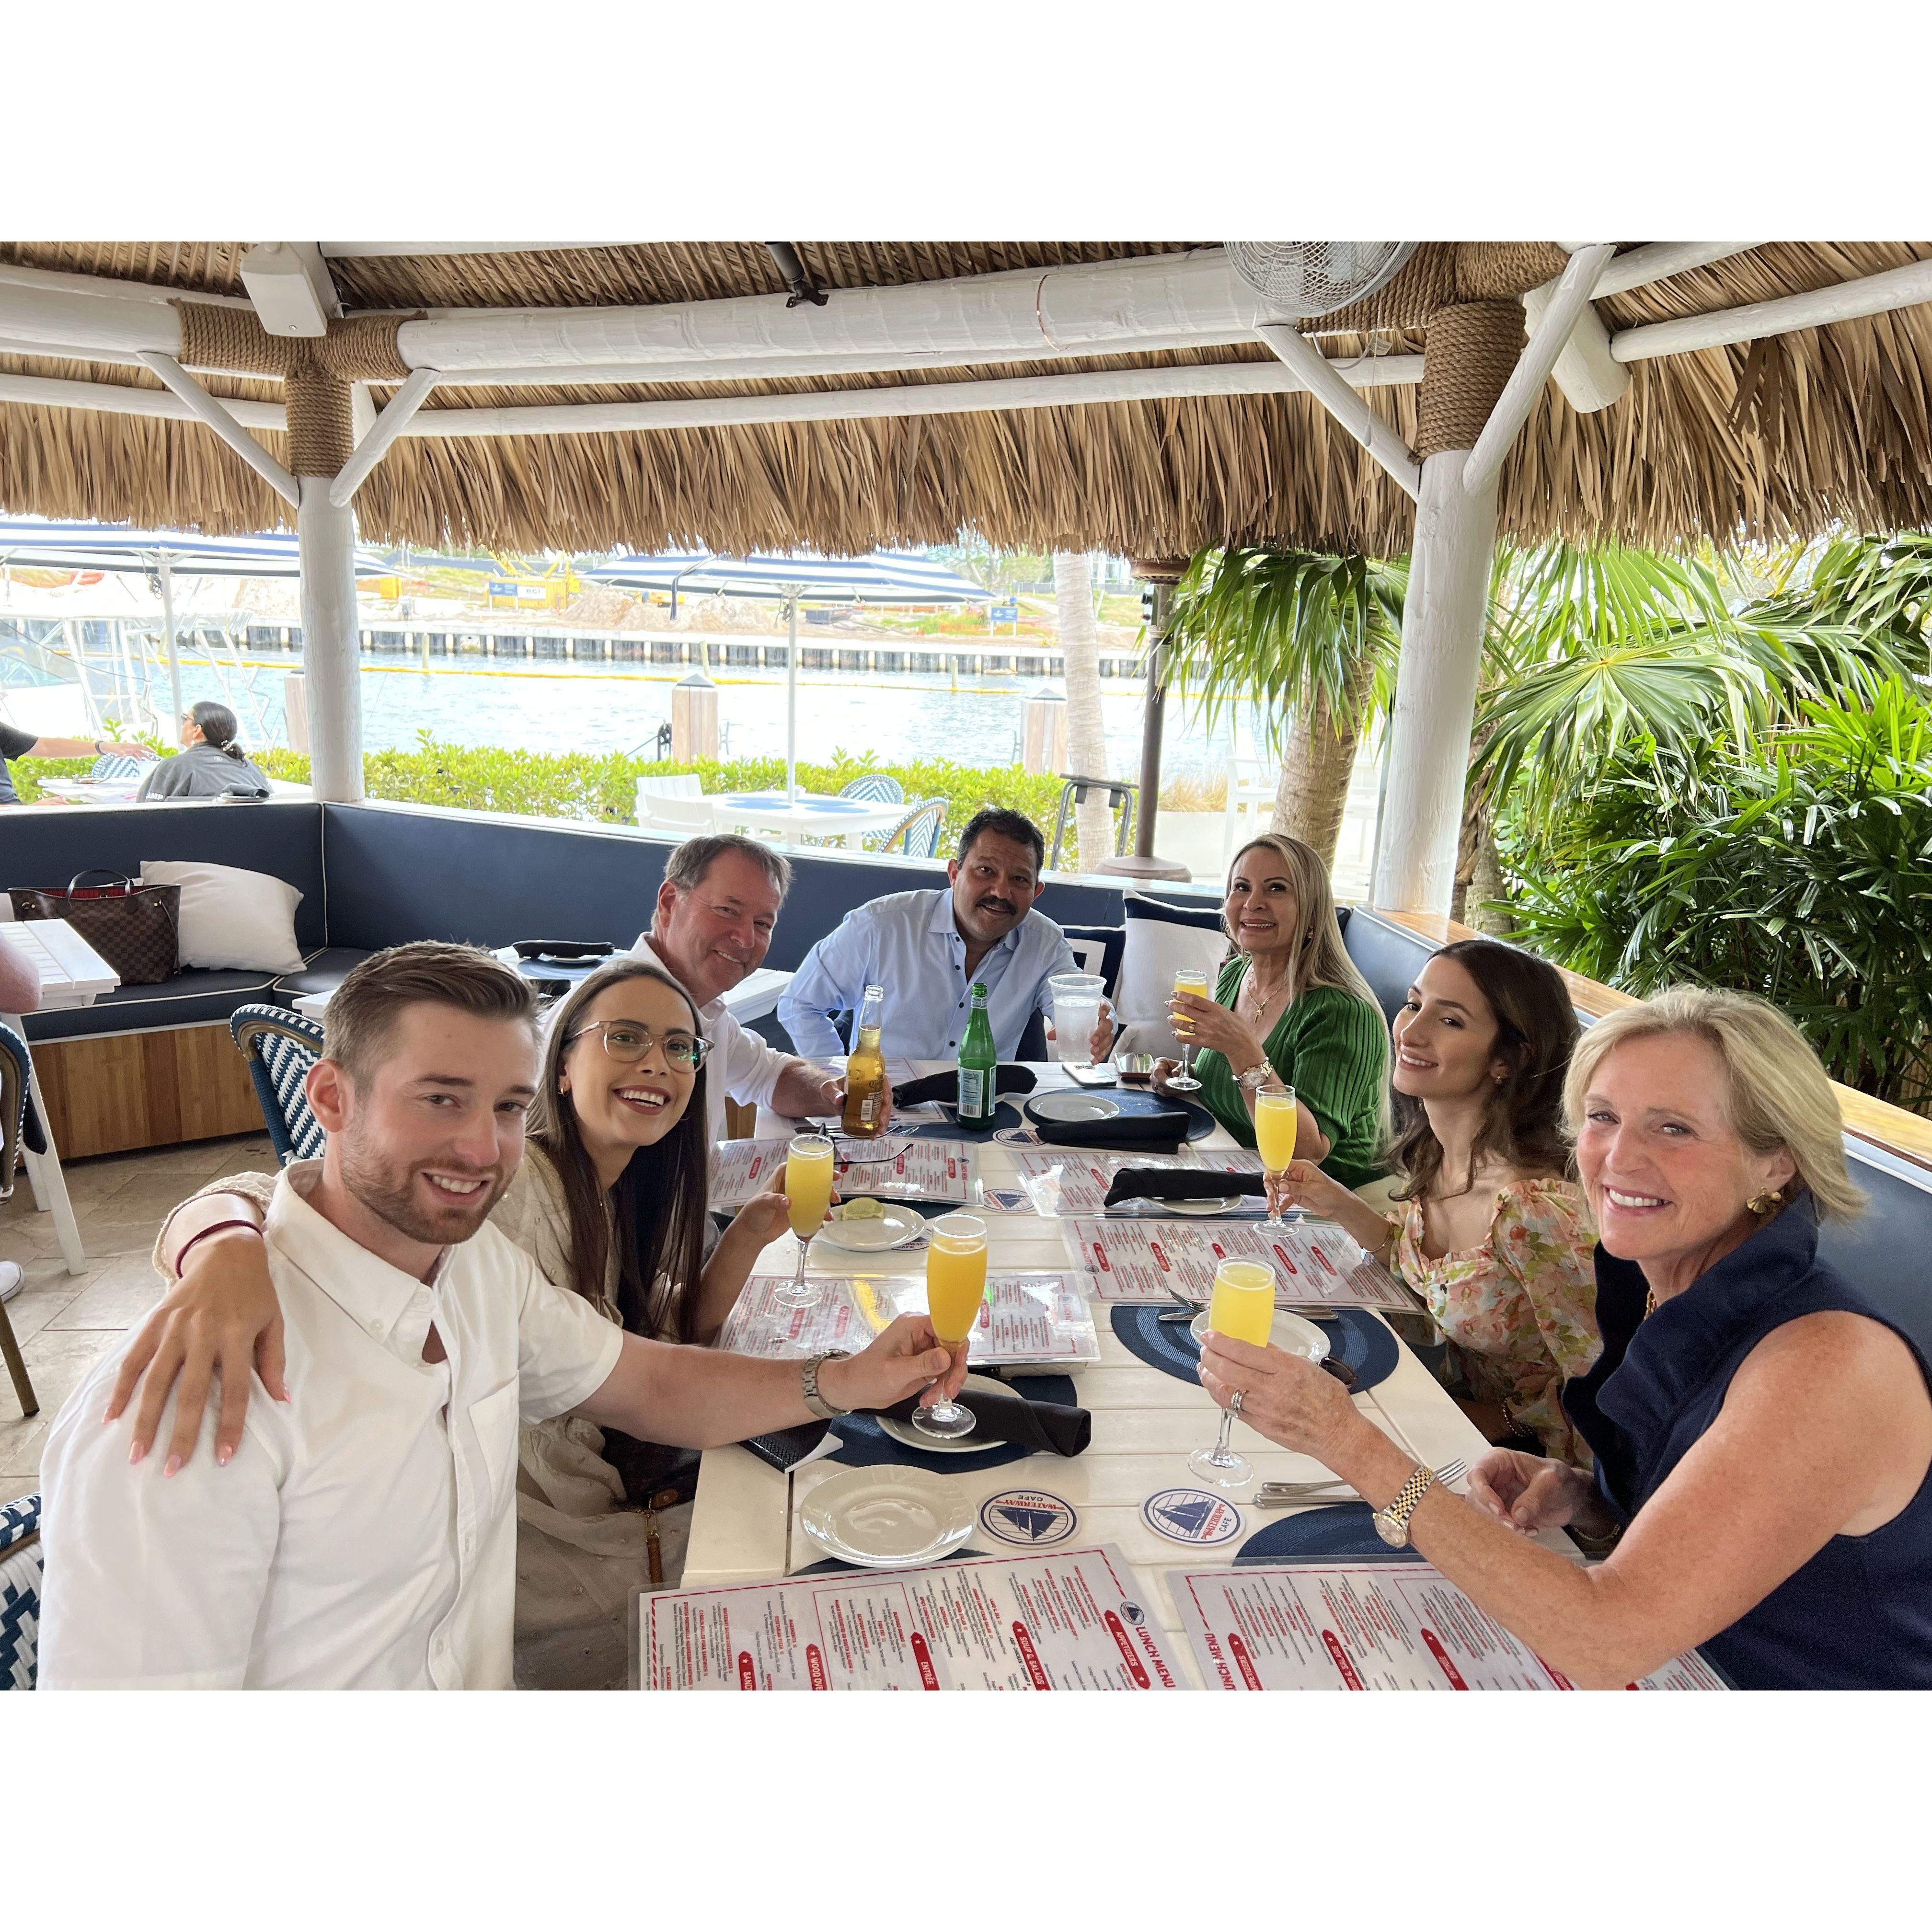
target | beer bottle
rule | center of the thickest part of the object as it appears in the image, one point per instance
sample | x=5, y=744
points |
x=978, y=1065
x=865, y=1070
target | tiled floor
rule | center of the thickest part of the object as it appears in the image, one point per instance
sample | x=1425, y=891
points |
x=67, y=1322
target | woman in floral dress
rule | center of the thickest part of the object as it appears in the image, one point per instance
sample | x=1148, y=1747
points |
x=1491, y=1232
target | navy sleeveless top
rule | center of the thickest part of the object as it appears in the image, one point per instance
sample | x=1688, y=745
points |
x=1858, y=1614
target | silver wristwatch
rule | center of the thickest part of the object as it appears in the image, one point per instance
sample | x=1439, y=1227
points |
x=808, y=1382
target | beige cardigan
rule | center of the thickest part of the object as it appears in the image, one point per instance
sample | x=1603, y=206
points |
x=580, y=1548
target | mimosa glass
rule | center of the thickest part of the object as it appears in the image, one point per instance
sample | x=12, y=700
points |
x=1184, y=1082
x=807, y=1187
x=1243, y=1307
x=1275, y=1117
x=956, y=1286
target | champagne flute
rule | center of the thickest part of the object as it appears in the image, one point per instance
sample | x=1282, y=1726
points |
x=1243, y=1307
x=955, y=1286
x=1184, y=1082
x=807, y=1187
x=1275, y=1117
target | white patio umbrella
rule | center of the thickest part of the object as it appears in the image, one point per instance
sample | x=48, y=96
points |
x=114, y=548
x=900, y=577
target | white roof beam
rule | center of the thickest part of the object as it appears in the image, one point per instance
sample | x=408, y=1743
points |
x=218, y=419
x=1843, y=302
x=51, y=392
x=1658, y=261
x=353, y=251
x=1313, y=371
x=373, y=447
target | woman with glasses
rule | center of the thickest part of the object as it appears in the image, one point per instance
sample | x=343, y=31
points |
x=611, y=1200
x=212, y=762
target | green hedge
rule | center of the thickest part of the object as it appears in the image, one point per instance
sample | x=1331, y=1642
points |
x=582, y=785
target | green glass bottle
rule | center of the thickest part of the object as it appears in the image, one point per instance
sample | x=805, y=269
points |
x=979, y=1062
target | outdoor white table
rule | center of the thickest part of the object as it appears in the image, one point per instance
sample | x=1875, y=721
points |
x=846, y=818
x=1145, y=1425
x=751, y=999
x=72, y=974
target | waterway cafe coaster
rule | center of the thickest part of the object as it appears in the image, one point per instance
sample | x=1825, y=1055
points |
x=1031, y=1518
x=1191, y=1516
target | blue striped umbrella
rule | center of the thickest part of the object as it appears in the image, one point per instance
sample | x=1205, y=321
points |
x=886, y=576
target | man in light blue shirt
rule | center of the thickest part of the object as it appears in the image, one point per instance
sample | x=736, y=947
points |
x=927, y=949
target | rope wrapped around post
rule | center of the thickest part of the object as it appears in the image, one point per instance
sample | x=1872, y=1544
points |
x=316, y=372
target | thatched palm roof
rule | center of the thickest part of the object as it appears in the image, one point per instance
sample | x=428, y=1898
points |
x=1782, y=438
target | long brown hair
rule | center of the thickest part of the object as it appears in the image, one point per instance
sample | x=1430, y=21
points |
x=657, y=1207
x=1523, y=1115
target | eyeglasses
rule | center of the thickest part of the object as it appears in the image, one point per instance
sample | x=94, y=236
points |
x=627, y=1042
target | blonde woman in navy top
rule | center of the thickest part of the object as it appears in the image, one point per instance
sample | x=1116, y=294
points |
x=1762, y=1432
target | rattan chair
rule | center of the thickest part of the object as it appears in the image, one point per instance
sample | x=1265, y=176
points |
x=14, y=1076
x=875, y=788
x=280, y=1047
x=20, y=1587
x=919, y=829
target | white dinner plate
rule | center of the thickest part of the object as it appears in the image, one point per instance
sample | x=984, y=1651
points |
x=962, y=1445
x=1218, y=1203
x=886, y=1518
x=1068, y=1109
x=898, y=1226
x=1291, y=1334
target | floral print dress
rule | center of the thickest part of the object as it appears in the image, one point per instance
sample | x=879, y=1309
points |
x=1520, y=1310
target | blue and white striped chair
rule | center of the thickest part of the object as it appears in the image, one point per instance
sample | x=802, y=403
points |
x=20, y=1582
x=15, y=1128
x=279, y=1048
x=113, y=766
x=875, y=788
x=919, y=829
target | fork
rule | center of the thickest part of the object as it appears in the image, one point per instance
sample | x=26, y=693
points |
x=1276, y=1494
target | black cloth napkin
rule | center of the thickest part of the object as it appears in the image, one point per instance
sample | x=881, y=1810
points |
x=1162, y=1184
x=1051, y=1426
x=1160, y=1132
x=1007, y=1078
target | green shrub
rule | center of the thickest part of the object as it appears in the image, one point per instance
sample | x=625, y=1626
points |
x=602, y=786
x=1800, y=869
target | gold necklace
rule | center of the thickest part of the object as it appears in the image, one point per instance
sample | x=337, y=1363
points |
x=1261, y=1003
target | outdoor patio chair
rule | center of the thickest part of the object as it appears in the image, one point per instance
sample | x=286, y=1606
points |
x=13, y=1066
x=686, y=817
x=113, y=766
x=280, y=1047
x=1074, y=791
x=20, y=1573
x=919, y=829
x=875, y=788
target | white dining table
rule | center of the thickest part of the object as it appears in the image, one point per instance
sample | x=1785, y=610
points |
x=71, y=974
x=744, y=1526
x=848, y=819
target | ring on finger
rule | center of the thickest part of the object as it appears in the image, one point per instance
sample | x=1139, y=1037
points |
x=1234, y=1401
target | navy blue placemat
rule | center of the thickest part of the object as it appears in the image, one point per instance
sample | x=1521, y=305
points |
x=1200, y=1123
x=1336, y=1529
x=828, y=1564
x=864, y=1443
x=1005, y=1114
x=1355, y=1338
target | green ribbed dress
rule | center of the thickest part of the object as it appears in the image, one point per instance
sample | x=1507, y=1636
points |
x=1332, y=1047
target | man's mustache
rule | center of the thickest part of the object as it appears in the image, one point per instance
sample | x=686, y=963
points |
x=997, y=905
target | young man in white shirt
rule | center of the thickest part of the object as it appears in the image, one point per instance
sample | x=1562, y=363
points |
x=927, y=949
x=713, y=926
x=363, y=1535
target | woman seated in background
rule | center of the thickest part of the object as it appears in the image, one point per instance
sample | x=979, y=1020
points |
x=1290, y=1006
x=209, y=763
x=1762, y=1432
x=1491, y=1232
x=611, y=1200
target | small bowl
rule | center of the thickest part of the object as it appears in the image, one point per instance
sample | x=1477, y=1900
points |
x=1136, y=1069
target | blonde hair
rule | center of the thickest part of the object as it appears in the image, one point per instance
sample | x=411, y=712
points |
x=1320, y=959
x=1778, y=1095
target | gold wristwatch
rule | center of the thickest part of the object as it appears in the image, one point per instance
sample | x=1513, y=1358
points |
x=1392, y=1524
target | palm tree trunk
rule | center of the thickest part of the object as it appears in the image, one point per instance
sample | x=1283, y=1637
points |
x=1086, y=735
x=1316, y=769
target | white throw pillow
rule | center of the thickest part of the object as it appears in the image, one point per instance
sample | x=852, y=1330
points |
x=230, y=917
x=1161, y=941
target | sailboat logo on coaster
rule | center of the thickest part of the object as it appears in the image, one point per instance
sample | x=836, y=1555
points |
x=1029, y=1517
x=1191, y=1516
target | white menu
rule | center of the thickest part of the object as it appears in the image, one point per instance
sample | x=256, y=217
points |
x=924, y=1170
x=1073, y=1620
x=1025, y=1318
x=1145, y=1261
x=1074, y=1181
x=1339, y=1625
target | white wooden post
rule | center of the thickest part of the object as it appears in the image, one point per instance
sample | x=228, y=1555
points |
x=167, y=574
x=332, y=656
x=1436, y=689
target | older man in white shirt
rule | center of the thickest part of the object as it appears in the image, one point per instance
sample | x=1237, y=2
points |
x=363, y=1534
x=712, y=925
